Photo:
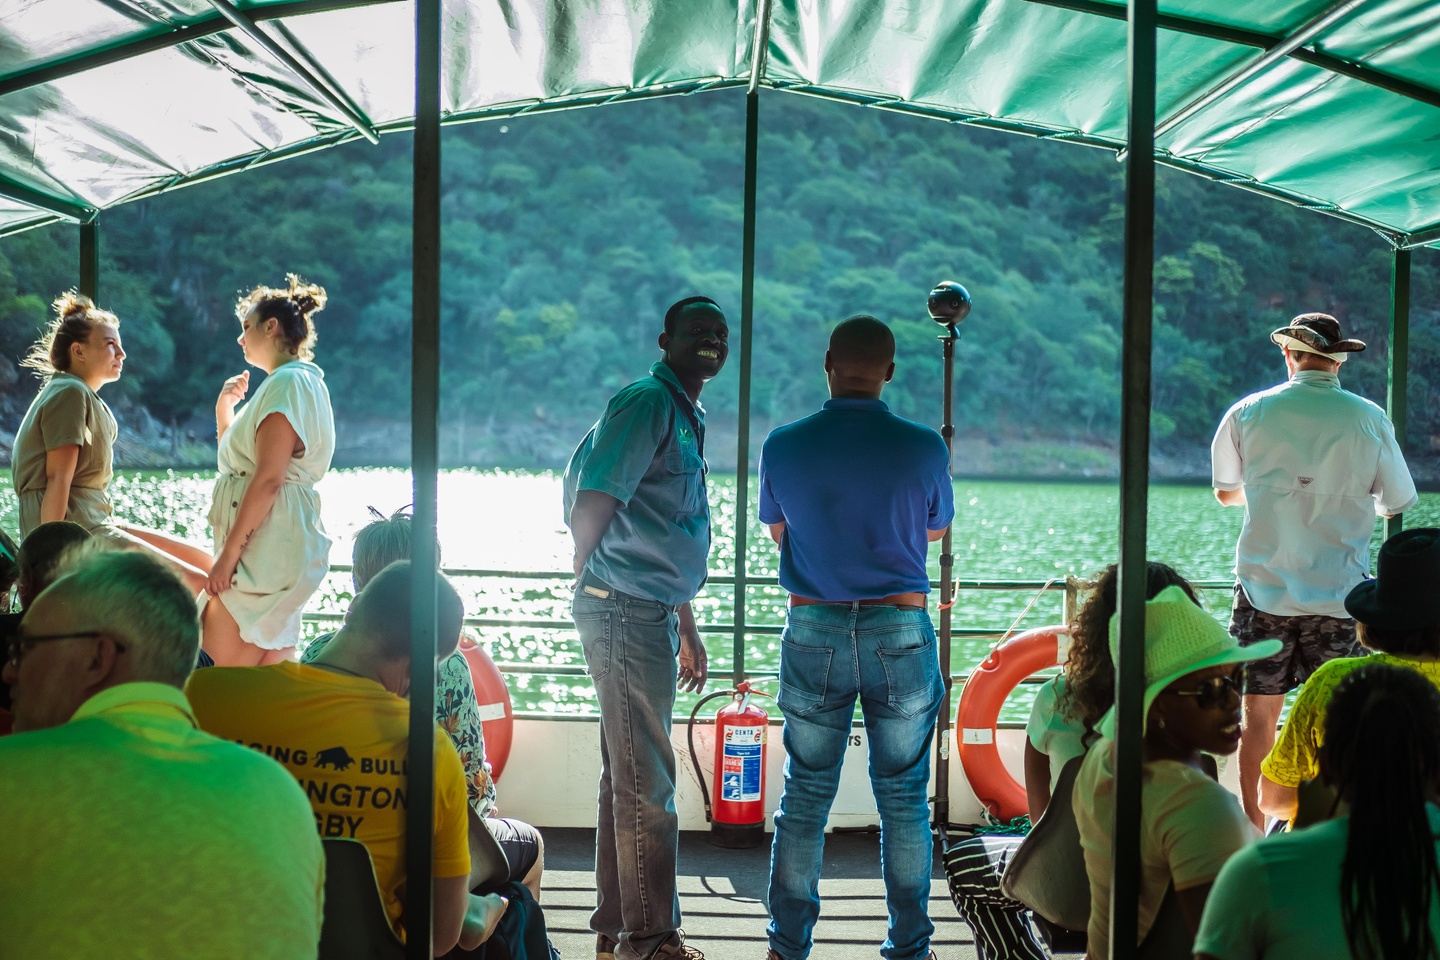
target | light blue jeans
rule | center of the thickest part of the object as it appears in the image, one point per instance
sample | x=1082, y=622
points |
x=829, y=655
x=630, y=647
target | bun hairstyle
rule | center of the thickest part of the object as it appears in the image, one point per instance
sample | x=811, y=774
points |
x=75, y=317
x=291, y=307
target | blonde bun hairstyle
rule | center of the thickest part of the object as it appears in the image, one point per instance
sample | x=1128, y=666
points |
x=76, y=317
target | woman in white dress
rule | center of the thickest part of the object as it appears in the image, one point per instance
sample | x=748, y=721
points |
x=271, y=551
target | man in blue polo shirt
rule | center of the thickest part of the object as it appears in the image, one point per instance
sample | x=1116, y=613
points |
x=854, y=495
x=636, y=505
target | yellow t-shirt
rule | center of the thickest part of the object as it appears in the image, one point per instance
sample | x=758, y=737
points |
x=1296, y=754
x=130, y=833
x=344, y=739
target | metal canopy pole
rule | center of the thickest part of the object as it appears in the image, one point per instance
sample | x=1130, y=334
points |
x=90, y=259
x=338, y=102
x=747, y=326
x=1293, y=41
x=424, y=459
x=1134, y=476
x=948, y=305
x=1399, y=374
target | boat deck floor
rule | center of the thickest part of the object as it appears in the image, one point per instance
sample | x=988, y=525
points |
x=722, y=897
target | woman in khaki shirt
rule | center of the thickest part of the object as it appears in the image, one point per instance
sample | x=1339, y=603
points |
x=62, y=461
x=63, y=456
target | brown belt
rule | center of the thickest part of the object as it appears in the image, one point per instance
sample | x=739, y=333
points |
x=909, y=600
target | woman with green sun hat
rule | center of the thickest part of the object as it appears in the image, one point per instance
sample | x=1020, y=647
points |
x=1189, y=824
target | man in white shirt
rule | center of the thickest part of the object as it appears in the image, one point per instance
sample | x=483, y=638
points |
x=1312, y=464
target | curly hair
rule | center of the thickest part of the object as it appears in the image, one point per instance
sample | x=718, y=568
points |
x=291, y=307
x=1089, y=672
x=76, y=317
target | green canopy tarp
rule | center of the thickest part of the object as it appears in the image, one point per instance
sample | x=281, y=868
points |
x=106, y=102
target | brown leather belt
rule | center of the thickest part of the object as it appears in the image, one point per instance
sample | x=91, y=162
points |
x=907, y=600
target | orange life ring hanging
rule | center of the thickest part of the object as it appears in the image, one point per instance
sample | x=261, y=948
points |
x=497, y=716
x=978, y=713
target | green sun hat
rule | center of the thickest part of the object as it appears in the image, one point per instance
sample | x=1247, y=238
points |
x=1180, y=638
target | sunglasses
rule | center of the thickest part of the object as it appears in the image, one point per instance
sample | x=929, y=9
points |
x=1216, y=691
x=22, y=643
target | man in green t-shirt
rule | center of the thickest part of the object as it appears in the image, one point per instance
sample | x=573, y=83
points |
x=1398, y=617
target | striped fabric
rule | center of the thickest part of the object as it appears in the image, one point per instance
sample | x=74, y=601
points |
x=1002, y=929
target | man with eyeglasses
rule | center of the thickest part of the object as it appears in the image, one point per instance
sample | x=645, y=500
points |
x=118, y=813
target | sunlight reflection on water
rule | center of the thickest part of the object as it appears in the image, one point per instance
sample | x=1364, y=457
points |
x=510, y=520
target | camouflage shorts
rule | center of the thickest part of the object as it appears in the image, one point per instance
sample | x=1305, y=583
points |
x=1308, y=642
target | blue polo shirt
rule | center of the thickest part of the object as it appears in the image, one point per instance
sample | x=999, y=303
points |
x=857, y=488
x=645, y=452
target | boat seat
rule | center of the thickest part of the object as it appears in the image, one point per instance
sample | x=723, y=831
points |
x=355, y=926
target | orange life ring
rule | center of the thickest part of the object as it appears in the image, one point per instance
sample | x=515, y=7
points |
x=497, y=716
x=979, y=712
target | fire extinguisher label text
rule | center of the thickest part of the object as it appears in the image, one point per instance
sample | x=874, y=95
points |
x=740, y=771
x=750, y=736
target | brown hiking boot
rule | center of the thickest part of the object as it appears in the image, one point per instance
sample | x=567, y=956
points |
x=604, y=948
x=677, y=949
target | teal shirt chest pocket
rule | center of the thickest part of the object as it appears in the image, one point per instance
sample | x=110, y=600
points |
x=681, y=473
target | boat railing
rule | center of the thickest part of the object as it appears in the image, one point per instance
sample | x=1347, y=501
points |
x=1067, y=591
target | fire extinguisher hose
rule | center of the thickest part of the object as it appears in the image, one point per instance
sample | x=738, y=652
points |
x=690, y=739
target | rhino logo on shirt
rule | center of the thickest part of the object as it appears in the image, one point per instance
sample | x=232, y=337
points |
x=1305, y=481
x=336, y=757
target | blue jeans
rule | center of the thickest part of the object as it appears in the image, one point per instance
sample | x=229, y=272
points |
x=630, y=647
x=829, y=654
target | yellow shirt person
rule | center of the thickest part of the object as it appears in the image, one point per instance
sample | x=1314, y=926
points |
x=344, y=739
x=1296, y=754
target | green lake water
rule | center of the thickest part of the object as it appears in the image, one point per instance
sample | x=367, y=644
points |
x=510, y=520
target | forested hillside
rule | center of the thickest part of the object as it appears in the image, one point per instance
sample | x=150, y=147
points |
x=567, y=234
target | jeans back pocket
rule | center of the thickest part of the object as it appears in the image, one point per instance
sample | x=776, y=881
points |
x=804, y=677
x=912, y=678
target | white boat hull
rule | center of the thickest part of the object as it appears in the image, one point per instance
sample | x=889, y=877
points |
x=551, y=776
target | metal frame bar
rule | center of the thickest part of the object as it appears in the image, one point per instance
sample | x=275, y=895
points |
x=1396, y=237
x=1292, y=42
x=761, y=48
x=1399, y=360
x=305, y=72
x=424, y=458
x=72, y=209
x=167, y=35
x=1422, y=237
x=1134, y=475
x=1177, y=23
x=90, y=259
x=747, y=355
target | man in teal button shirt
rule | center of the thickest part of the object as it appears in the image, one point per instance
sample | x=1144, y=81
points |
x=637, y=508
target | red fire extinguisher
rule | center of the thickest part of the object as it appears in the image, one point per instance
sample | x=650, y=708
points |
x=735, y=803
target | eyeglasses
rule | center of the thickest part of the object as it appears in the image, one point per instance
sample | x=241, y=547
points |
x=1216, y=691
x=22, y=643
